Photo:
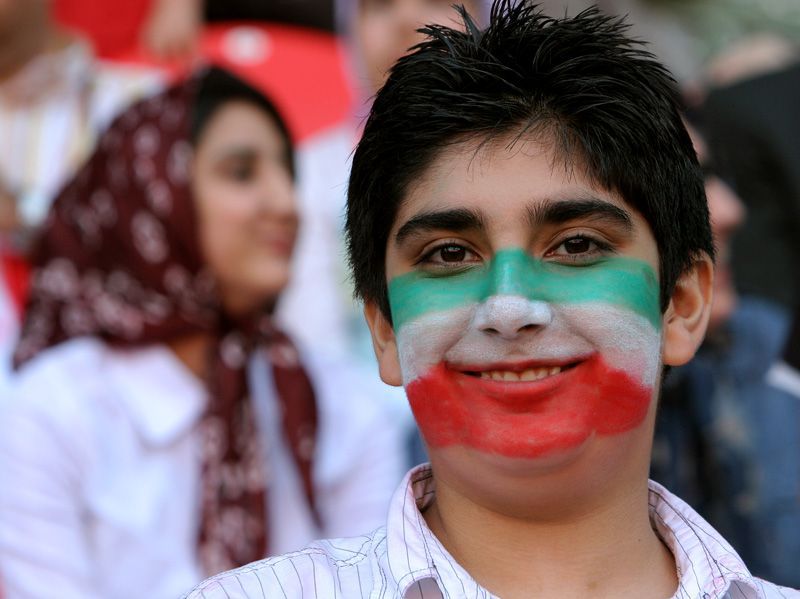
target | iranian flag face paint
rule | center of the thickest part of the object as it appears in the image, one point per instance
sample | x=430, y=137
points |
x=523, y=357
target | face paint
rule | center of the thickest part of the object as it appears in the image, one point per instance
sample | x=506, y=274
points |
x=583, y=338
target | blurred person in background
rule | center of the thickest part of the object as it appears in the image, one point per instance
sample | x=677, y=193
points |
x=381, y=31
x=753, y=129
x=726, y=440
x=161, y=427
x=55, y=98
x=376, y=33
x=687, y=34
x=169, y=29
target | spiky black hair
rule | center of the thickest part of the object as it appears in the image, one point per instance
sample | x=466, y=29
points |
x=611, y=108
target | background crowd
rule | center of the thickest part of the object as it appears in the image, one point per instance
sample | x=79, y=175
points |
x=180, y=355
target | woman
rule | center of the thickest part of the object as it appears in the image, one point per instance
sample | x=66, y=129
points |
x=132, y=461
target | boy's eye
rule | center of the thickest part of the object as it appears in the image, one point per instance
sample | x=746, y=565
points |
x=449, y=254
x=579, y=246
x=452, y=253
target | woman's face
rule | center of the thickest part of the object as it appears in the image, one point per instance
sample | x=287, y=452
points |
x=247, y=213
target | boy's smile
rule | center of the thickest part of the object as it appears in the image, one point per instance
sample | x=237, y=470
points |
x=525, y=304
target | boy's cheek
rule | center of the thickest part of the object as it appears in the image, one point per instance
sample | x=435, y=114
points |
x=608, y=395
x=426, y=341
x=626, y=341
x=593, y=399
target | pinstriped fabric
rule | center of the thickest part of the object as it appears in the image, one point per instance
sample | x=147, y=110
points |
x=403, y=560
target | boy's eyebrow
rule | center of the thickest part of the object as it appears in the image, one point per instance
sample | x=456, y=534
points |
x=457, y=219
x=592, y=209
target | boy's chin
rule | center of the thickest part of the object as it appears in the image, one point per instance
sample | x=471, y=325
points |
x=515, y=466
x=547, y=486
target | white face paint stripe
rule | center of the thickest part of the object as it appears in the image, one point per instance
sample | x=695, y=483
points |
x=626, y=340
x=423, y=341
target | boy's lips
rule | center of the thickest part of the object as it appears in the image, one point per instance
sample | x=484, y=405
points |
x=519, y=370
x=521, y=382
x=527, y=419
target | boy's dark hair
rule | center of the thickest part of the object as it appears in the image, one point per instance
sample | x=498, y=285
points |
x=611, y=108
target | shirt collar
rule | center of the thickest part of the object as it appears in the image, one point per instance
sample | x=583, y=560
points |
x=162, y=397
x=414, y=555
x=707, y=566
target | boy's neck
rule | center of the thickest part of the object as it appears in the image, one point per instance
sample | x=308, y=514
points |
x=607, y=550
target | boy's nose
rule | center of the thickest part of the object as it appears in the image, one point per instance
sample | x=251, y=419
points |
x=508, y=316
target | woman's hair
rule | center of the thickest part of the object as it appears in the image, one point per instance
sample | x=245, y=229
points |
x=218, y=87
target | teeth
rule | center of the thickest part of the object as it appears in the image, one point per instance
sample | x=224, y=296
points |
x=532, y=374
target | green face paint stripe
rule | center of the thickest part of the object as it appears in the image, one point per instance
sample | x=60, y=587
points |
x=626, y=282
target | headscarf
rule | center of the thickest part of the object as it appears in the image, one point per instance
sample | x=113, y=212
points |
x=119, y=259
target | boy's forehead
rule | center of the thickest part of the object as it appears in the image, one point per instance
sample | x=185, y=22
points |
x=512, y=191
x=492, y=174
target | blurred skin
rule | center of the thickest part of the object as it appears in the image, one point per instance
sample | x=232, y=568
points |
x=9, y=219
x=247, y=213
x=172, y=28
x=385, y=29
x=727, y=215
x=25, y=31
x=17, y=14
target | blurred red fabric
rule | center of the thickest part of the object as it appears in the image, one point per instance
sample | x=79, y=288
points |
x=16, y=273
x=112, y=27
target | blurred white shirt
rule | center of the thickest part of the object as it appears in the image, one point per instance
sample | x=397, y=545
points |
x=405, y=560
x=99, y=470
x=51, y=113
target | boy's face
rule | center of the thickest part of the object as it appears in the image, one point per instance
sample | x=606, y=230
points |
x=525, y=304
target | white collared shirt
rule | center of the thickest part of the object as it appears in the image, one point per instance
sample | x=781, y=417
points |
x=405, y=560
x=99, y=470
x=51, y=113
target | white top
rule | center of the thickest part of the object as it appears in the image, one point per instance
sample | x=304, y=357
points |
x=319, y=296
x=51, y=113
x=99, y=471
x=404, y=559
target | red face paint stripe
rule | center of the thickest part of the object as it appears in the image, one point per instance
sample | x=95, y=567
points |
x=527, y=420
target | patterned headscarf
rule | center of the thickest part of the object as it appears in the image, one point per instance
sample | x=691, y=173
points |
x=119, y=259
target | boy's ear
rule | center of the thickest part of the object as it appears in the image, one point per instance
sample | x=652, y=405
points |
x=686, y=317
x=385, y=345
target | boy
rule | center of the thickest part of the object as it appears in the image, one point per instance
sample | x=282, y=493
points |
x=529, y=233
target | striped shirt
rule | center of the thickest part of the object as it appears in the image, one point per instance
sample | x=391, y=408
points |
x=405, y=560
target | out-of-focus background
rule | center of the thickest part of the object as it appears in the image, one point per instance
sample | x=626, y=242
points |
x=728, y=436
